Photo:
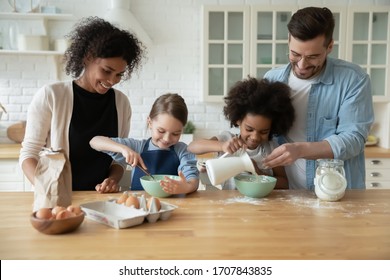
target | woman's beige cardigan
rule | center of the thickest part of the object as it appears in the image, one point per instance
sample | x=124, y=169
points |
x=49, y=116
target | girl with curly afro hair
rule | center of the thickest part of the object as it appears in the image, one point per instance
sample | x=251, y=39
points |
x=66, y=115
x=261, y=110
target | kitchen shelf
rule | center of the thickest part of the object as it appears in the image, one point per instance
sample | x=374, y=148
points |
x=17, y=52
x=56, y=57
x=45, y=19
x=32, y=16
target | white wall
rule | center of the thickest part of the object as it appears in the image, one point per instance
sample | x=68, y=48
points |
x=173, y=63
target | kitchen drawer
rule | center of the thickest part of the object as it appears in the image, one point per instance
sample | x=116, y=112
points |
x=10, y=171
x=378, y=173
x=379, y=185
x=378, y=163
x=11, y=176
x=12, y=186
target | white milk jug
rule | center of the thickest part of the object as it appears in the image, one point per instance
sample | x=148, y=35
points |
x=223, y=168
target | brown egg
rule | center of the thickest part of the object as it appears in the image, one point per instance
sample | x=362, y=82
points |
x=132, y=201
x=64, y=214
x=57, y=209
x=74, y=209
x=156, y=202
x=44, y=213
x=123, y=198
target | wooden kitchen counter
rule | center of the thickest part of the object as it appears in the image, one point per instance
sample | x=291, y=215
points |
x=10, y=151
x=376, y=152
x=214, y=225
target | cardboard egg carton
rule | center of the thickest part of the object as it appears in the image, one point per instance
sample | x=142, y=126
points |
x=121, y=216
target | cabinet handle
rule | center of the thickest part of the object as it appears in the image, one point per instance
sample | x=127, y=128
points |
x=375, y=174
x=375, y=161
x=374, y=185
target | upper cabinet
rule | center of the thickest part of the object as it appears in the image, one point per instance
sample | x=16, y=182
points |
x=269, y=38
x=250, y=40
x=368, y=45
x=225, y=47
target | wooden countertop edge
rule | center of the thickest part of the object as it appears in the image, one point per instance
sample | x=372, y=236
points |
x=376, y=152
x=11, y=151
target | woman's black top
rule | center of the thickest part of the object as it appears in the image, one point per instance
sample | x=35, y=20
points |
x=93, y=114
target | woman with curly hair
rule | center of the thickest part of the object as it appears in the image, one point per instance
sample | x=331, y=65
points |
x=66, y=115
x=261, y=110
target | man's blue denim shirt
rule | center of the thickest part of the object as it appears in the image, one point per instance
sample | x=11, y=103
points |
x=340, y=111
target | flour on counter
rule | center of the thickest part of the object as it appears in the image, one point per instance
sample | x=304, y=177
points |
x=245, y=199
x=304, y=202
x=311, y=202
x=352, y=214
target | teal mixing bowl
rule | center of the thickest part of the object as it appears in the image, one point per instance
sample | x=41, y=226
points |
x=255, y=186
x=153, y=187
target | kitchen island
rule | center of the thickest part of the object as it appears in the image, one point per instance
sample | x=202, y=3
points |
x=211, y=225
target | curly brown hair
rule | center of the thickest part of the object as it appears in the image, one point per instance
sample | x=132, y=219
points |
x=260, y=97
x=94, y=37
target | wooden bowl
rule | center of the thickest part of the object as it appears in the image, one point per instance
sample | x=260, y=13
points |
x=52, y=226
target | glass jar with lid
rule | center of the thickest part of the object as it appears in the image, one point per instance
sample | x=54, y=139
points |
x=330, y=182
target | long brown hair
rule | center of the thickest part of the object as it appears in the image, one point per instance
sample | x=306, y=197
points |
x=172, y=104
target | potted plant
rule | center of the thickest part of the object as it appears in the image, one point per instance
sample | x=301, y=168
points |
x=188, y=132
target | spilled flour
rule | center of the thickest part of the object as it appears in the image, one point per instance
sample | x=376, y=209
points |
x=310, y=202
x=247, y=200
x=305, y=202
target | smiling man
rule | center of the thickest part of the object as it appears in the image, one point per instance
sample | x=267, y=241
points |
x=332, y=100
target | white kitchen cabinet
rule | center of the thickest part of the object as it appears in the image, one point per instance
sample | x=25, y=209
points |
x=259, y=42
x=368, y=45
x=269, y=38
x=378, y=173
x=12, y=178
x=225, y=49
x=238, y=41
x=11, y=175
